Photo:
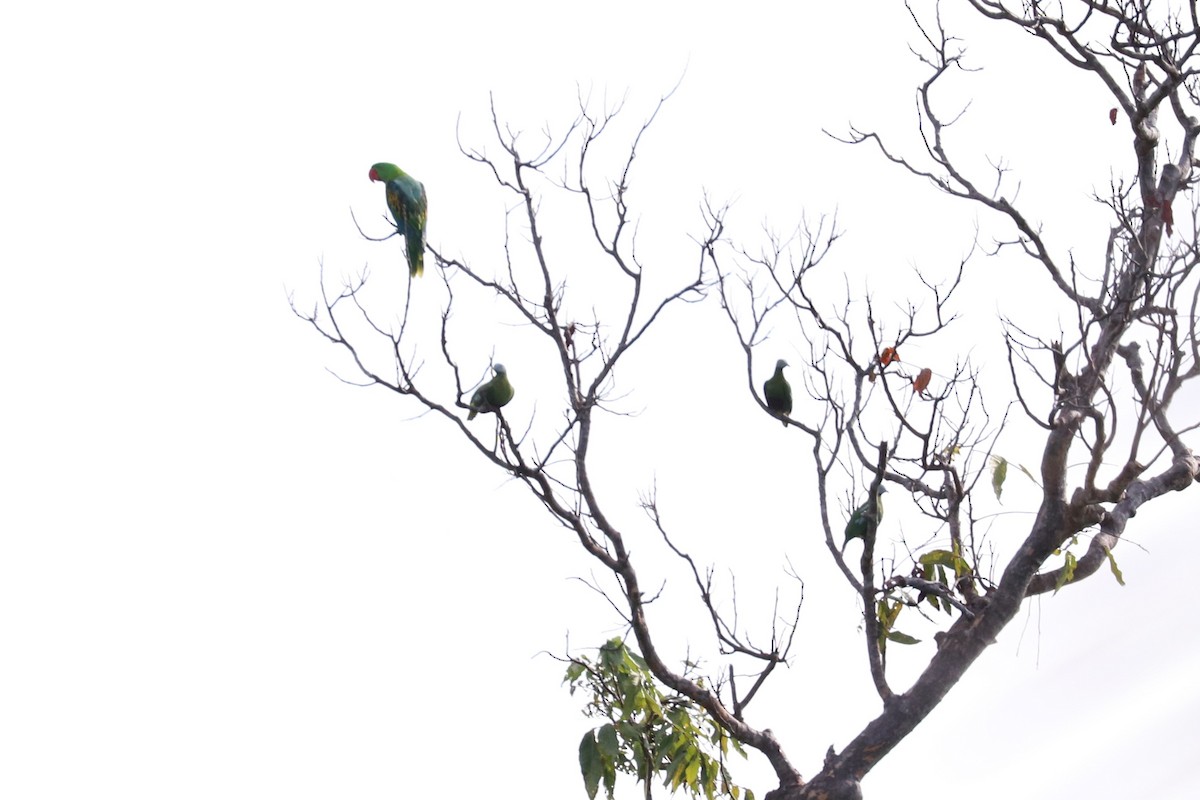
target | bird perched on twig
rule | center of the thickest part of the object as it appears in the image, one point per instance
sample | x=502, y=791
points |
x=778, y=393
x=865, y=517
x=492, y=395
x=407, y=201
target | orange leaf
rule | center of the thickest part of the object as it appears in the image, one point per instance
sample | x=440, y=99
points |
x=921, y=382
x=888, y=355
x=1112, y=116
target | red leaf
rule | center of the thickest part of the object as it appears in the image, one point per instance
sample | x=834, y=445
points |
x=921, y=382
x=888, y=355
x=1112, y=116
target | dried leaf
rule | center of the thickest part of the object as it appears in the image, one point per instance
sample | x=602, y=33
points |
x=1025, y=469
x=888, y=355
x=999, y=473
x=921, y=382
x=1112, y=116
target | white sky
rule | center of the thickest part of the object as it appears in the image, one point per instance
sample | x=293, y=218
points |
x=224, y=573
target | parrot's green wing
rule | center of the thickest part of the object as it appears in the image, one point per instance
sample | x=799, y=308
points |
x=492, y=395
x=409, y=205
x=778, y=392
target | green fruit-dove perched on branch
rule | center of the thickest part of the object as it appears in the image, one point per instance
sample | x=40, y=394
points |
x=407, y=201
x=778, y=393
x=863, y=518
x=492, y=395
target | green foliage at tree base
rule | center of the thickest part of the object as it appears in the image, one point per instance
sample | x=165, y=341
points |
x=648, y=732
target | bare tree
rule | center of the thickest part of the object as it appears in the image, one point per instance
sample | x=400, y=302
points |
x=873, y=420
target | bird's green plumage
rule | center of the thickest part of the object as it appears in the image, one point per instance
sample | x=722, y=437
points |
x=863, y=517
x=492, y=395
x=407, y=201
x=778, y=392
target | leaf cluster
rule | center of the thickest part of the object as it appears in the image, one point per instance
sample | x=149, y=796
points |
x=647, y=732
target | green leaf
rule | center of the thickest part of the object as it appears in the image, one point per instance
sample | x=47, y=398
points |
x=1112, y=564
x=1067, y=572
x=631, y=696
x=674, y=744
x=648, y=734
x=708, y=776
x=887, y=614
x=606, y=739
x=612, y=655
x=943, y=557
x=573, y=672
x=678, y=765
x=610, y=779
x=902, y=638
x=999, y=473
x=948, y=559
x=590, y=764
x=640, y=758
x=887, y=618
x=897, y=607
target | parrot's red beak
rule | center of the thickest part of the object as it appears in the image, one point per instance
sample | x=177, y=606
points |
x=373, y=175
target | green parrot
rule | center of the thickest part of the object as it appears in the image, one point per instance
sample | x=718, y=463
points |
x=862, y=518
x=408, y=203
x=492, y=395
x=778, y=393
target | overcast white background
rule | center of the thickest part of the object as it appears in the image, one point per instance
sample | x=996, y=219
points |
x=224, y=573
